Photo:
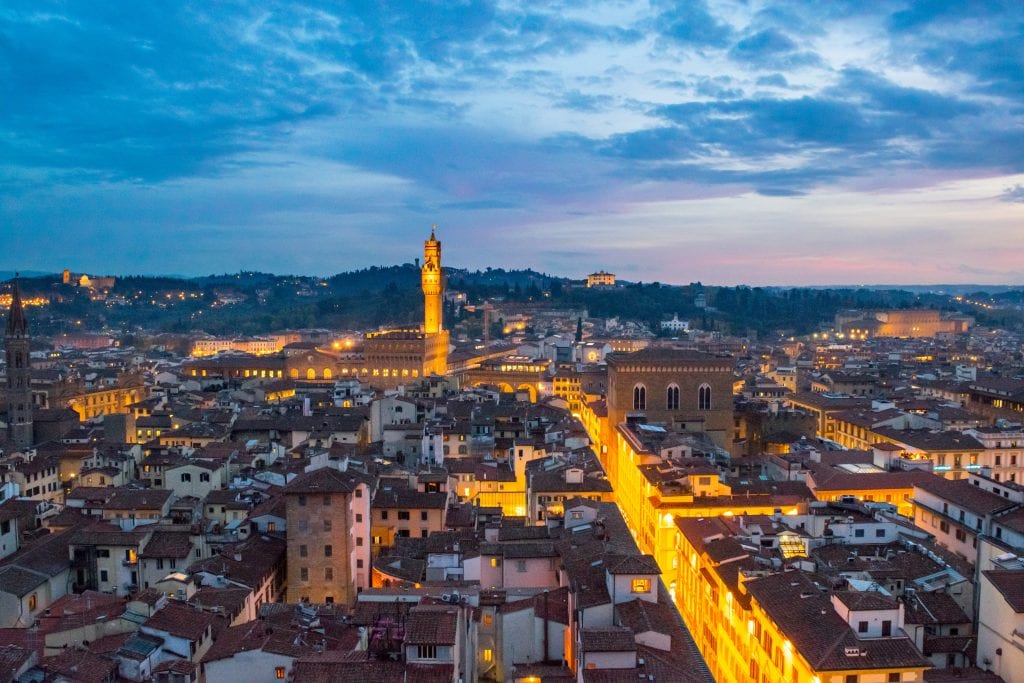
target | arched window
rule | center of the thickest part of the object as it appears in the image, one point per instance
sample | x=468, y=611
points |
x=310, y=373
x=704, y=397
x=294, y=373
x=672, y=397
x=639, y=397
x=327, y=373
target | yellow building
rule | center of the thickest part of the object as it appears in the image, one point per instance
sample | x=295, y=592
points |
x=752, y=626
x=601, y=279
x=109, y=401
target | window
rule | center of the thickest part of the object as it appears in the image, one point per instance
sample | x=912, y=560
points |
x=279, y=673
x=103, y=575
x=328, y=574
x=426, y=651
x=328, y=550
x=302, y=501
x=488, y=655
x=423, y=515
x=894, y=677
x=103, y=552
x=185, y=476
x=359, y=518
x=303, y=551
x=359, y=564
x=403, y=515
x=858, y=533
x=32, y=602
x=640, y=586
x=520, y=565
x=887, y=628
x=639, y=397
x=495, y=562
x=327, y=500
x=879, y=533
x=383, y=514
x=704, y=397
x=204, y=476
x=359, y=493
x=672, y=397
x=327, y=525
x=359, y=540
x=488, y=619
x=862, y=627
x=303, y=574
x=851, y=678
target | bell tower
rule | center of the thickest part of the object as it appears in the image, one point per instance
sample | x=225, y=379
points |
x=433, y=285
x=19, y=389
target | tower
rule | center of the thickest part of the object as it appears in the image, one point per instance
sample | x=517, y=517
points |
x=433, y=285
x=19, y=389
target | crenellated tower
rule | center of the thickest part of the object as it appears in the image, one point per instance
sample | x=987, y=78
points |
x=19, y=388
x=433, y=285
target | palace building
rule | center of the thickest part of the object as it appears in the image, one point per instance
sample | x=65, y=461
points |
x=387, y=359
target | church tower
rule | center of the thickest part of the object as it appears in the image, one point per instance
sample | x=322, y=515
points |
x=19, y=389
x=433, y=285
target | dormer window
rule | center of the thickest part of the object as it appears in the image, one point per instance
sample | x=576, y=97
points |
x=640, y=586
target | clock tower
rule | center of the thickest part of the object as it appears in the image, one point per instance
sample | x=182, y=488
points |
x=433, y=285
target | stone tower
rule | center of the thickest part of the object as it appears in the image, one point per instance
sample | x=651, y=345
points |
x=433, y=285
x=19, y=389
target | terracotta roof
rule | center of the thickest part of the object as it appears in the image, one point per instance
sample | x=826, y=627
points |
x=612, y=639
x=176, y=544
x=964, y=494
x=632, y=564
x=81, y=666
x=324, y=480
x=184, y=621
x=1009, y=583
x=643, y=615
x=807, y=617
x=12, y=659
x=431, y=625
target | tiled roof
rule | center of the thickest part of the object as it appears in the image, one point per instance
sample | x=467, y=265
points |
x=184, y=621
x=632, y=564
x=409, y=499
x=642, y=616
x=81, y=666
x=176, y=544
x=806, y=616
x=1010, y=584
x=611, y=639
x=964, y=494
x=431, y=625
x=324, y=480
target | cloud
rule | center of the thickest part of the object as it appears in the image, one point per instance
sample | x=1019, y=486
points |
x=1013, y=194
x=227, y=122
x=692, y=24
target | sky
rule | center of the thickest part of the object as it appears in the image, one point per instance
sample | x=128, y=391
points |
x=784, y=143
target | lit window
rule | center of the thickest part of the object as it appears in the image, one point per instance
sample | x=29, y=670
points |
x=488, y=655
x=641, y=586
x=279, y=673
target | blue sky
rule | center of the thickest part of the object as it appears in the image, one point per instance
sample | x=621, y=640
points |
x=726, y=142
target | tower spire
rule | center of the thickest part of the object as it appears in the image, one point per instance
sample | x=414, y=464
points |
x=16, y=324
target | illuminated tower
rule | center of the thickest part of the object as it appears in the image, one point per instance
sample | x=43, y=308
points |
x=19, y=390
x=433, y=285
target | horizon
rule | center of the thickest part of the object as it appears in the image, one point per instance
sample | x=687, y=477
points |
x=9, y=276
x=714, y=142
